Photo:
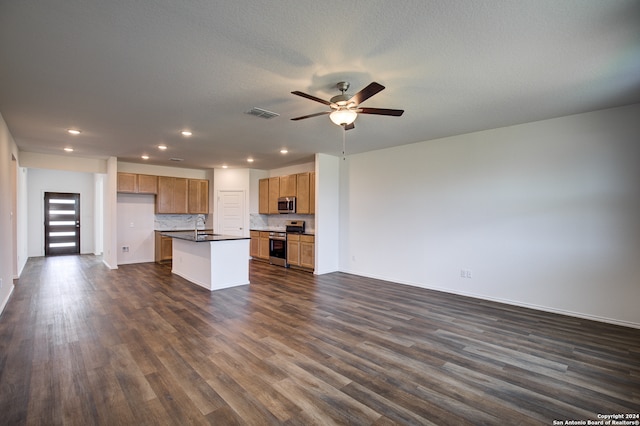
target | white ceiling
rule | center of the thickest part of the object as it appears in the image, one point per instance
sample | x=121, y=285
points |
x=132, y=74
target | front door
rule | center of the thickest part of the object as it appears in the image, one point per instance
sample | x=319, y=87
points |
x=61, y=223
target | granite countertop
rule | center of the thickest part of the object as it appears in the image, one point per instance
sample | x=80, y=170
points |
x=202, y=237
x=267, y=229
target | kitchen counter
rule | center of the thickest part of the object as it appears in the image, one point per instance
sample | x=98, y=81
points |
x=281, y=230
x=212, y=261
x=203, y=236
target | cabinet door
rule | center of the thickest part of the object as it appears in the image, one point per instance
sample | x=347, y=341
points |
x=254, y=248
x=302, y=197
x=127, y=182
x=293, y=250
x=264, y=246
x=147, y=184
x=307, y=251
x=263, y=205
x=198, y=196
x=166, y=248
x=164, y=200
x=288, y=186
x=312, y=193
x=180, y=196
x=274, y=193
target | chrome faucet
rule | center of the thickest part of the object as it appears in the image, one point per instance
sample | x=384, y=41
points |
x=198, y=218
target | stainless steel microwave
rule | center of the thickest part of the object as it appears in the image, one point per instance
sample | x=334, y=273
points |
x=287, y=205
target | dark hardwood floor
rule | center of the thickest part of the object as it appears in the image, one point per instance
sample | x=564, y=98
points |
x=81, y=345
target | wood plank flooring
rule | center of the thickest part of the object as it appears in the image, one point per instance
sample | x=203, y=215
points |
x=83, y=345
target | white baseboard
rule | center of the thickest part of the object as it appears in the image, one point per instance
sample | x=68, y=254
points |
x=506, y=301
x=6, y=300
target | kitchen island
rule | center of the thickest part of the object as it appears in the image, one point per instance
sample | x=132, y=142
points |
x=212, y=261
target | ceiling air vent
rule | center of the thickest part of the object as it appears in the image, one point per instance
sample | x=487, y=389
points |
x=262, y=113
x=176, y=159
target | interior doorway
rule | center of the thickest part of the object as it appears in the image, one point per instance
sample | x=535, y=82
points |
x=231, y=213
x=61, y=223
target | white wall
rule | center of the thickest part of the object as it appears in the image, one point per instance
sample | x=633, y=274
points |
x=544, y=214
x=136, y=228
x=327, y=218
x=40, y=181
x=8, y=180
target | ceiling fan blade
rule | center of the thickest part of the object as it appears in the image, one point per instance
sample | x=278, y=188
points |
x=313, y=98
x=366, y=93
x=311, y=115
x=381, y=111
x=349, y=126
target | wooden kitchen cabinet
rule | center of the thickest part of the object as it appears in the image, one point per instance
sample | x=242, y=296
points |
x=127, y=182
x=198, y=196
x=137, y=184
x=259, y=246
x=172, y=195
x=301, y=251
x=288, y=185
x=263, y=193
x=302, y=197
x=264, y=246
x=307, y=251
x=254, y=246
x=274, y=193
x=293, y=250
x=147, y=184
x=312, y=193
x=163, y=248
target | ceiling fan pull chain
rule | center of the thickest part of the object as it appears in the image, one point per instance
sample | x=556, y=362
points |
x=344, y=139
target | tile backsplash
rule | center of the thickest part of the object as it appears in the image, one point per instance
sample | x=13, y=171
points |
x=172, y=222
x=260, y=221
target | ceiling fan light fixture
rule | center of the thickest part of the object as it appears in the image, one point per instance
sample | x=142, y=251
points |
x=343, y=117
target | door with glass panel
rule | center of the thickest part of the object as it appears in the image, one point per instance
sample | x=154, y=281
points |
x=61, y=223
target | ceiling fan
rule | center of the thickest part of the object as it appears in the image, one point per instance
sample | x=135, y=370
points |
x=345, y=108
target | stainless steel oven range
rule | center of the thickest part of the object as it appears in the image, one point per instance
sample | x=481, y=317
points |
x=278, y=242
x=278, y=248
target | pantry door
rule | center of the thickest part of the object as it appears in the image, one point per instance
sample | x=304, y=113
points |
x=231, y=213
x=61, y=223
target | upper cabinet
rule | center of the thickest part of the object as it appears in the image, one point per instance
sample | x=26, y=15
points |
x=175, y=195
x=302, y=197
x=137, y=184
x=274, y=193
x=172, y=195
x=198, y=196
x=301, y=186
x=263, y=204
x=288, y=186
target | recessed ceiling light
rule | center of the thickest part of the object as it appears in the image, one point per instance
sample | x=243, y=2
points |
x=284, y=151
x=73, y=131
x=145, y=157
x=162, y=147
x=250, y=160
x=224, y=166
x=68, y=149
x=186, y=133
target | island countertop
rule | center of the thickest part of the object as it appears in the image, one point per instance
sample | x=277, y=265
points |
x=203, y=237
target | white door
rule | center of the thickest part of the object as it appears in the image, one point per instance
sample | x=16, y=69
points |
x=231, y=213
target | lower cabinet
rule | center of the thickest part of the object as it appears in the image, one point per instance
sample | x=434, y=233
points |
x=259, y=248
x=301, y=251
x=163, y=248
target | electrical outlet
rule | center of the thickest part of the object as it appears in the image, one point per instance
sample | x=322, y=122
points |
x=465, y=273
x=125, y=249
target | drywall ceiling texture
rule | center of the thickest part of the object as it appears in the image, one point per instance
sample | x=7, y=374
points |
x=131, y=75
x=543, y=214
